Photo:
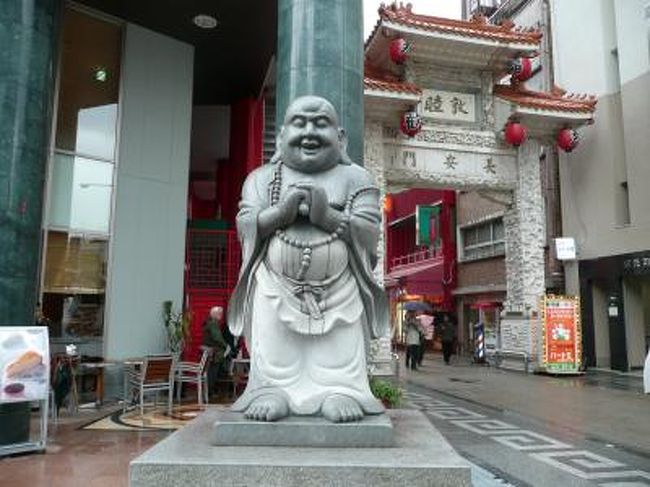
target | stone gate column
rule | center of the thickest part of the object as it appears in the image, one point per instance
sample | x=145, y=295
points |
x=374, y=160
x=28, y=38
x=525, y=239
x=320, y=52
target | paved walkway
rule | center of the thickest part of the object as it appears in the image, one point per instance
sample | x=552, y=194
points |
x=606, y=407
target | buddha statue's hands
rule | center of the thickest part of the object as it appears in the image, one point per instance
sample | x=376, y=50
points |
x=321, y=213
x=284, y=213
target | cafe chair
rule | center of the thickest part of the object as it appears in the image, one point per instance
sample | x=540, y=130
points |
x=156, y=374
x=194, y=373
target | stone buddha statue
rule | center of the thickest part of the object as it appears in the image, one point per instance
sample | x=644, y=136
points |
x=306, y=299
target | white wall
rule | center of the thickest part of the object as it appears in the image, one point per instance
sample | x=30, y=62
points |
x=148, y=244
x=633, y=32
x=584, y=34
x=587, y=35
x=633, y=35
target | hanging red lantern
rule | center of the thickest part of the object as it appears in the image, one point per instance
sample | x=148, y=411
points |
x=411, y=123
x=399, y=50
x=388, y=203
x=520, y=69
x=567, y=139
x=515, y=133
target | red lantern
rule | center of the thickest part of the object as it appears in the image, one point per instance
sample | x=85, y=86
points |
x=567, y=139
x=411, y=123
x=520, y=69
x=399, y=50
x=515, y=133
x=388, y=203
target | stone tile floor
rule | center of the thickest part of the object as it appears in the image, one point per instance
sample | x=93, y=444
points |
x=78, y=457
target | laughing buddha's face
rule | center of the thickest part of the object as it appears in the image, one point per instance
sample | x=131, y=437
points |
x=311, y=140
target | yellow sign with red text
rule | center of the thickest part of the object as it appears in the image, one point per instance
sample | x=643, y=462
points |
x=561, y=334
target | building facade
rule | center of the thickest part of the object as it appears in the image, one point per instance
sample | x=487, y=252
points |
x=605, y=206
x=454, y=76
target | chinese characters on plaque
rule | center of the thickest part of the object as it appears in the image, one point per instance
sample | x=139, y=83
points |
x=637, y=265
x=448, y=105
x=445, y=160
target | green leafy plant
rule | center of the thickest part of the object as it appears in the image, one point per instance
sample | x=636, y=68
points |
x=177, y=326
x=387, y=392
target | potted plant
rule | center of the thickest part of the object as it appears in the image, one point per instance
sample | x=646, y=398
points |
x=177, y=326
x=387, y=392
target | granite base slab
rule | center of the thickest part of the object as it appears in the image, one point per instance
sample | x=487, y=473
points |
x=419, y=457
x=232, y=429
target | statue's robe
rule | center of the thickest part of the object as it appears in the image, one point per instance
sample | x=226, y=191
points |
x=292, y=353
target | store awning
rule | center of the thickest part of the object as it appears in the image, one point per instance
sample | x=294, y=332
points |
x=424, y=279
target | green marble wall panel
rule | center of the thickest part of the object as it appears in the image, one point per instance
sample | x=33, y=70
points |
x=28, y=33
x=320, y=52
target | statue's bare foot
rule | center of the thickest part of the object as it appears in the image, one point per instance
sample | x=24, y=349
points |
x=341, y=409
x=269, y=407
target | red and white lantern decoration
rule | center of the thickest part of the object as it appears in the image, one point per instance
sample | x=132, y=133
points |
x=567, y=139
x=520, y=69
x=515, y=133
x=411, y=123
x=399, y=50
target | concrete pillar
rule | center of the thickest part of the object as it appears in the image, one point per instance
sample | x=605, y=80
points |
x=28, y=33
x=320, y=52
x=601, y=326
x=634, y=322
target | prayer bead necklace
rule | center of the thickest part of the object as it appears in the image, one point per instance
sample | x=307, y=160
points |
x=305, y=246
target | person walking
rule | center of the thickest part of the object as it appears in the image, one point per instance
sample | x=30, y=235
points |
x=412, y=340
x=447, y=330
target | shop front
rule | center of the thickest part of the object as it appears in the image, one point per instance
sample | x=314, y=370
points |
x=615, y=310
x=478, y=323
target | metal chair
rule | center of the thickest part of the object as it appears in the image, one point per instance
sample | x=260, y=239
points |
x=156, y=374
x=194, y=373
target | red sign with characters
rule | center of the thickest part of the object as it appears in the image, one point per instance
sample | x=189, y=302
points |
x=561, y=334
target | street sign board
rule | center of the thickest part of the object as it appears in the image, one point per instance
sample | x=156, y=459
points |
x=561, y=334
x=565, y=248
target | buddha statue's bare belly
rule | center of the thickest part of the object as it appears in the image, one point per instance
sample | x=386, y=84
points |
x=327, y=260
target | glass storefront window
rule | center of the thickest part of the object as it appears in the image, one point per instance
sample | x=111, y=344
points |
x=81, y=178
x=89, y=86
x=80, y=194
x=74, y=284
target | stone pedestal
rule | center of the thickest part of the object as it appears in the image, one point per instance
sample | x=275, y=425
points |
x=421, y=456
x=232, y=429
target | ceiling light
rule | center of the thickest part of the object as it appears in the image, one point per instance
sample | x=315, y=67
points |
x=205, y=21
x=100, y=74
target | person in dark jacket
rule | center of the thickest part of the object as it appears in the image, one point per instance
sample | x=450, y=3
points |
x=447, y=332
x=213, y=339
x=413, y=334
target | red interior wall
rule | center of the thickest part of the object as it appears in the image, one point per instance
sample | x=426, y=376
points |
x=246, y=142
x=246, y=145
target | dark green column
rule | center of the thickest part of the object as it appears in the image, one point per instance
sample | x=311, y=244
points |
x=28, y=36
x=320, y=52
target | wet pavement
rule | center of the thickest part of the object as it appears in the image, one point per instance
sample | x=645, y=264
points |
x=532, y=430
x=517, y=430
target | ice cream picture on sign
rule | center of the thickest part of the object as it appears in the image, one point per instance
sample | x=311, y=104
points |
x=24, y=364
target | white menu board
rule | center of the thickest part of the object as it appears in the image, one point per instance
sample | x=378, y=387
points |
x=24, y=363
